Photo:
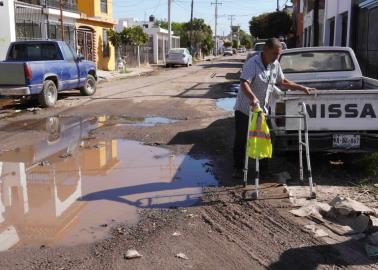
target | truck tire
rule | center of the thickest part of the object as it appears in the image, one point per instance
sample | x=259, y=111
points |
x=49, y=95
x=90, y=86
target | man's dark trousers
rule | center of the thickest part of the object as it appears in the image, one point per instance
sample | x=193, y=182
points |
x=241, y=128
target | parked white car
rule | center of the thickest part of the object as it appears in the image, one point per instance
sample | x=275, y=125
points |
x=228, y=51
x=179, y=56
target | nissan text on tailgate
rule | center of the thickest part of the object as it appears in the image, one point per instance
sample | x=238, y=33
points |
x=343, y=111
x=41, y=69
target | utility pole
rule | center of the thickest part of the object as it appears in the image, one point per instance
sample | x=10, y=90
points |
x=216, y=24
x=61, y=19
x=169, y=26
x=191, y=27
x=238, y=35
x=231, y=18
x=278, y=5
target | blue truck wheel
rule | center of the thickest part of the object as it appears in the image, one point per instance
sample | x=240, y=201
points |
x=90, y=86
x=49, y=95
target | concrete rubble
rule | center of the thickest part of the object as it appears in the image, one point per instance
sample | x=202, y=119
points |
x=342, y=216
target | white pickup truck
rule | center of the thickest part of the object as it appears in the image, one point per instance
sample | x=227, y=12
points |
x=342, y=113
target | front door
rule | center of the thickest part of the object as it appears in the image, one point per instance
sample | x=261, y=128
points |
x=85, y=43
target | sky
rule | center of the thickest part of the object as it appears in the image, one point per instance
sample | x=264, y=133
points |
x=242, y=9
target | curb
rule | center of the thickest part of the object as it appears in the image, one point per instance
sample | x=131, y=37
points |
x=101, y=80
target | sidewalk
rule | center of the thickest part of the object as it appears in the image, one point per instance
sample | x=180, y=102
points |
x=105, y=76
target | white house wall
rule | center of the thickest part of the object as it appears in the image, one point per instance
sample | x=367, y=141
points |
x=8, y=29
x=335, y=9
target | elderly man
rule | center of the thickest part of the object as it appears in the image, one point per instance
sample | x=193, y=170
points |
x=258, y=72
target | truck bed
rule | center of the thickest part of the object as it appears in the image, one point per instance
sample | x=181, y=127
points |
x=363, y=83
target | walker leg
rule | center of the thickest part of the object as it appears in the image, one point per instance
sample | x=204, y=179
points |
x=311, y=184
x=257, y=178
x=246, y=158
x=300, y=143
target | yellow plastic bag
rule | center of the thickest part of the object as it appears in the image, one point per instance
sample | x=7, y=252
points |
x=259, y=142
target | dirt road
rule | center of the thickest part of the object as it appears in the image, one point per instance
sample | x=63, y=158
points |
x=96, y=176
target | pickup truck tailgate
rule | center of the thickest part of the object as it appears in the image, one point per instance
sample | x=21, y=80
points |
x=12, y=73
x=335, y=110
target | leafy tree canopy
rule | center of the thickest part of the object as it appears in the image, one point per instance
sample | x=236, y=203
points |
x=269, y=25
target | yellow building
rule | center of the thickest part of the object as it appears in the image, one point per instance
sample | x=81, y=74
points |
x=96, y=18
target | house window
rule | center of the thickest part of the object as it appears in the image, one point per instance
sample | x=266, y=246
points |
x=105, y=43
x=54, y=31
x=28, y=30
x=104, y=6
x=332, y=32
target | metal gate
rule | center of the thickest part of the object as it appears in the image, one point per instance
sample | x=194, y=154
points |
x=367, y=41
x=85, y=43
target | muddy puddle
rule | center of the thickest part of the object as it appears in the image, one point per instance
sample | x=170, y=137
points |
x=136, y=121
x=70, y=189
x=228, y=103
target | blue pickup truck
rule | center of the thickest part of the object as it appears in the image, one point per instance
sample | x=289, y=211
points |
x=41, y=69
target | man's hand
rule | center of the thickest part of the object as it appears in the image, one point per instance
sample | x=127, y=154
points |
x=255, y=103
x=309, y=90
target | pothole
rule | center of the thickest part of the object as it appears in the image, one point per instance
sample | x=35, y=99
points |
x=137, y=121
x=228, y=103
x=68, y=191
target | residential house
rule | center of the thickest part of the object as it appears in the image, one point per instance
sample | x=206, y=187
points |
x=338, y=23
x=158, y=38
x=92, y=39
x=36, y=19
x=298, y=9
x=313, y=20
x=366, y=38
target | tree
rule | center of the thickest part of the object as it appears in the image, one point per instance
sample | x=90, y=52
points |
x=227, y=44
x=270, y=25
x=245, y=39
x=197, y=38
x=134, y=36
x=116, y=39
x=235, y=44
x=201, y=37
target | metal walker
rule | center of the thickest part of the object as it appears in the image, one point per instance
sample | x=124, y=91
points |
x=301, y=116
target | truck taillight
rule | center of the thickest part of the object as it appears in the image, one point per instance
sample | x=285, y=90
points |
x=280, y=110
x=28, y=72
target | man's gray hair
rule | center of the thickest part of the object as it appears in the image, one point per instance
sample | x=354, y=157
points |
x=273, y=43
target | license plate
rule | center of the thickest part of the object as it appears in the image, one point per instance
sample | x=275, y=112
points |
x=346, y=141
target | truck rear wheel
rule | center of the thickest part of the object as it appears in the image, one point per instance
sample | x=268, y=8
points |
x=49, y=95
x=90, y=86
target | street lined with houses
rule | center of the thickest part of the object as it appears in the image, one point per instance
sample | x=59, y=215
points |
x=112, y=125
x=120, y=137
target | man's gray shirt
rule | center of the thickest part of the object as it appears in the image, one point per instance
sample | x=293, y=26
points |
x=259, y=78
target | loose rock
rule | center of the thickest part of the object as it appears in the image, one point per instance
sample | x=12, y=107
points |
x=132, y=254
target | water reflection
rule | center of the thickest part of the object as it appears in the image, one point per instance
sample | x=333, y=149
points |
x=61, y=190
